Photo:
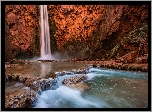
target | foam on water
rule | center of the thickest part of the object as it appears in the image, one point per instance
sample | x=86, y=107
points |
x=92, y=75
x=18, y=84
x=107, y=88
x=117, y=73
x=65, y=97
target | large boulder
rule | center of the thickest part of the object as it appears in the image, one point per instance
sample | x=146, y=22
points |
x=76, y=82
x=80, y=85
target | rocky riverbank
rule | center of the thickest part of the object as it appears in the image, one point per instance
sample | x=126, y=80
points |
x=141, y=64
x=112, y=64
x=26, y=95
x=32, y=86
x=115, y=64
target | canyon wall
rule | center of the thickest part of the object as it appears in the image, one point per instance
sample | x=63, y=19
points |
x=96, y=31
x=21, y=31
x=84, y=31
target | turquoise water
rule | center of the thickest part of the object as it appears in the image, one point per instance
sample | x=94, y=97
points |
x=107, y=89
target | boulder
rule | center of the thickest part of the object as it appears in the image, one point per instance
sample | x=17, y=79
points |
x=76, y=82
x=80, y=85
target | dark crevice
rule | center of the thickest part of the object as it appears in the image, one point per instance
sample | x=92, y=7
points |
x=11, y=25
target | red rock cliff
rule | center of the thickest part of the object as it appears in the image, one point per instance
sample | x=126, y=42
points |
x=85, y=31
x=102, y=27
x=21, y=23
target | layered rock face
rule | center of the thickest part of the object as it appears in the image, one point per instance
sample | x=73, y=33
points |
x=21, y=29
x=85, y=31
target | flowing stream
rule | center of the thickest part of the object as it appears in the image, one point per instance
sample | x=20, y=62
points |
x=107, y=89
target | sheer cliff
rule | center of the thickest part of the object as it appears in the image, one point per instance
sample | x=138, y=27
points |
x=84, y=31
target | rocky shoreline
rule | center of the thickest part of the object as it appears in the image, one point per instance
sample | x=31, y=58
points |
x=119, y=66
x=25, y=98
x=112, y=64
x=34, y=86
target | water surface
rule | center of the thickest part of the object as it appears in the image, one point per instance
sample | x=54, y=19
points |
x=40, y=69
x=107, y=89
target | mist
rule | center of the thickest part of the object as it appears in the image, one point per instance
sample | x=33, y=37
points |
x=55, y=56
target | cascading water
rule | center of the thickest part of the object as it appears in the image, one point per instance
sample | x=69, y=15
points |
x=45, y=41
x=107, y=89
x=45, y=35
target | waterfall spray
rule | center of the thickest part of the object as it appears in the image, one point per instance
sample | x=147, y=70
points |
x=45, y=35
x=45, y=43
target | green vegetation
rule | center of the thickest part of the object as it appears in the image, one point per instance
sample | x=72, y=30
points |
x=82, y=49
x=18, y=62
x=85, y=47
x=24, y=54
x=53, y=29
x=35, y=46
x=132, y=37
x=75, y=47
x=36, y=35
x=139, y=68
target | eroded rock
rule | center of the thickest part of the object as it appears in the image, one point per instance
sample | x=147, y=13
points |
x=25, y=96
x=76, y=82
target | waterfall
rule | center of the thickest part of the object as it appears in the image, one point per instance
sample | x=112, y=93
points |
x=45, y=35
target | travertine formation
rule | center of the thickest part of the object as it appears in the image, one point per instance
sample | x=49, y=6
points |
x=25, y=96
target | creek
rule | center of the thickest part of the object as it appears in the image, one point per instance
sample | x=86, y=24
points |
x=107, y=89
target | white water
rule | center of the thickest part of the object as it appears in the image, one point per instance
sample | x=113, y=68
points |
x=45, y=35
x=64, y=97
x=108, y=89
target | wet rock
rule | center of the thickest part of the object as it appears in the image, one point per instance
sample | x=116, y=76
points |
x=22, y=79
x=145, y=69
x=29, y=82
x=25, y=97
x=6, y=78
x=9, y=77
x=28, y=102
x=75, y=79
x=13, y=77
x=80, y=85
x=80, y=72
x=76, y=82
x=94, y=65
